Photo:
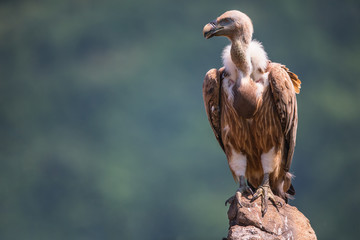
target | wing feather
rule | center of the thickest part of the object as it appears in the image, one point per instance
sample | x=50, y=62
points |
x=211, y=95
x=284, y=86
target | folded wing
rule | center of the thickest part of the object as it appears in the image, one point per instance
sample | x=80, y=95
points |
x=211, y=95
x=284, y=86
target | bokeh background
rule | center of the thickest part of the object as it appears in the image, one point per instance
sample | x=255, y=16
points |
x=103, y=130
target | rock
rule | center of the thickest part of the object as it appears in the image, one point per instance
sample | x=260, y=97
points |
x=248, y=223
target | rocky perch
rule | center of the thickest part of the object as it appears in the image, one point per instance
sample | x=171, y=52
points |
x=248, y=223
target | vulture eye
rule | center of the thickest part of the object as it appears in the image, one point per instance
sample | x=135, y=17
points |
x=226, y=21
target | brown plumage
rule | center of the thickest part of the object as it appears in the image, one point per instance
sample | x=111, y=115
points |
x=252, y=119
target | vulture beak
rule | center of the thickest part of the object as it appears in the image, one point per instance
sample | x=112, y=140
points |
x=211, y=29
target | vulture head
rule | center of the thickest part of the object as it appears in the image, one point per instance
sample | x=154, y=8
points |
x=232, y=24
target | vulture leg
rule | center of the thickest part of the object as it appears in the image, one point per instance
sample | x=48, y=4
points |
x=264, y=191
x=243, y=189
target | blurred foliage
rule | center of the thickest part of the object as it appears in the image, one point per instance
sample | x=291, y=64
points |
x=103, y=130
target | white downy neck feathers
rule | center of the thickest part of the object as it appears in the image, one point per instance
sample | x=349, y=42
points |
x=259, y=62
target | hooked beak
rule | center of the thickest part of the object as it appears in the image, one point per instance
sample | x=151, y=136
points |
x=211, y=29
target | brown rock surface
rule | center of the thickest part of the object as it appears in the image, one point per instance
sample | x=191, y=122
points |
x=287, y=223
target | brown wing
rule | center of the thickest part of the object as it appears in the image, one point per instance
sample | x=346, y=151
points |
x=284, y=86
x=211, y=95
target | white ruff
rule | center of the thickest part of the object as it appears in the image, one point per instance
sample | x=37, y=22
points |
x=228, y=85
x=261, y=83
x=228, y=63
x=232, y=73
x=259, y=61
x=257, y=56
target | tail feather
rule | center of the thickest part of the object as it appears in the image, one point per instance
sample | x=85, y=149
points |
x=290, y=193
x=291, y=190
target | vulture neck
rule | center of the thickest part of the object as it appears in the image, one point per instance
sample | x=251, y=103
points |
x=240, y=57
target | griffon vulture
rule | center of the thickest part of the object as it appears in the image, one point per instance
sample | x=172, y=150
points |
x=251, y=106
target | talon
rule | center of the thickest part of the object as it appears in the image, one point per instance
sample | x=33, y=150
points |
x=275, y=203
x=264, y=208
x=247, y=190
x=229, y=201
x=257, y=194
x=238, y=198
x=264, y=191
x=242, y=190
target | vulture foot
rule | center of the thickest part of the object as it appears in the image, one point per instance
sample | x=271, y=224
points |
x=243, y=189
x=264, y=191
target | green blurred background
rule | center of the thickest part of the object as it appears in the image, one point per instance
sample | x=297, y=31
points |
x=103, y=130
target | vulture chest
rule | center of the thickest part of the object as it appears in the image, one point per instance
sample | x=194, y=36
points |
x=246, y=98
